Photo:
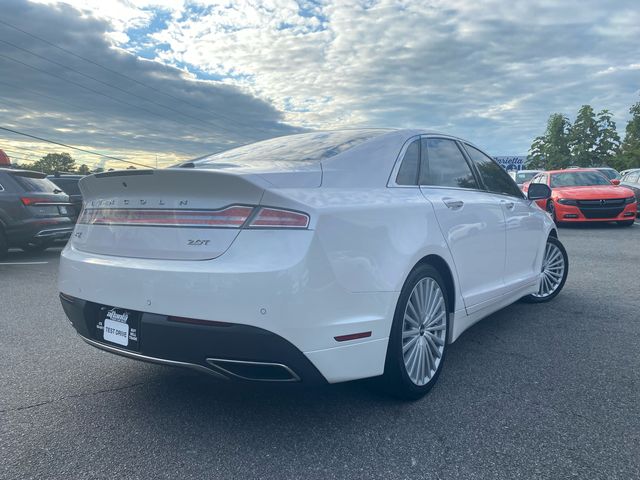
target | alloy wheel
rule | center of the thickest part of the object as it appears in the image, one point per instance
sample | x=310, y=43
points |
x=553, y=267
x=424, y=331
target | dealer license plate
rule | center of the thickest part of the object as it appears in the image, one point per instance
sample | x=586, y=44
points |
x=119, y=326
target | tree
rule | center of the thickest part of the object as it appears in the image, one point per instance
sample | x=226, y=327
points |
x=131, y=167
x=583, y=138
x=630, y=151
x=98, y=170
x=84, y=169
x=535, y=158
x=54, y=162
x=608, y=146
x=551, y=150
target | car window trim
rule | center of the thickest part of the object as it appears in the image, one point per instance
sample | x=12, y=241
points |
x=391, y=183
x=393, y=176
x=486, y=189
x=464, y=156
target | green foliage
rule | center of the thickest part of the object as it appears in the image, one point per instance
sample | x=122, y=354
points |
x=630, y=151
x=54, y=162
x=608, y=146
x=583, y=138
x=551, y=151
x=84, y=169
x=592, y=141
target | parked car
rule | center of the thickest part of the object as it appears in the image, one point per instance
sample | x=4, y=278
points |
x=631, y=180
x=68, y=182
x=586, y=195
x=523, y=176
x=34, y=212
x=624, y=172
x=610, y=173
x=319, y=257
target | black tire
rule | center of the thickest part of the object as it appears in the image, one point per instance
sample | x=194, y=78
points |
x=34, y=247
x=552, y=211
x=4, y=247
x=626, y=223
x=538, y=299
x=396, y=380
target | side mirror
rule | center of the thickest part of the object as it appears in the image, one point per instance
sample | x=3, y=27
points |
x=615, y=181
x=538, y=191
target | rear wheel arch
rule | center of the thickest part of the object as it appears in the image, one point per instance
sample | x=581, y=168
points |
x=553, y=233
x=444, y=270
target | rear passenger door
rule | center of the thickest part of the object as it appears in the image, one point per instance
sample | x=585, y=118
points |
x=524, y=227
x=470, y=218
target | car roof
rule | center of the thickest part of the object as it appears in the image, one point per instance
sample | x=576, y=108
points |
x=21, y=170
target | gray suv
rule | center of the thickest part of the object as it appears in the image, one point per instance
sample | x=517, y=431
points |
x=34, y=212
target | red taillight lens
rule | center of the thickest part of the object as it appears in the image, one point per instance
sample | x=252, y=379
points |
x=35, y=200
x=278, y=218
x=230, y=217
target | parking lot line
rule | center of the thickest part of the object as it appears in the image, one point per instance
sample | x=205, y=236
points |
x=23, y=263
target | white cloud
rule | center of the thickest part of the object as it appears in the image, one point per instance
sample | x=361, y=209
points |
x=491, y=71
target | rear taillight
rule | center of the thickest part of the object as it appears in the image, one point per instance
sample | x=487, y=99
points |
x=236, y=216
x=36, y=200
x=230, y=217
x=279, y=218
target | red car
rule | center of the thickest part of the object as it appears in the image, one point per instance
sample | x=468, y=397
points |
x=586, y=195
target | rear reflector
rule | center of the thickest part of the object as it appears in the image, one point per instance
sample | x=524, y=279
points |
x=230, y=217
x=278, y=218
x=352, y=336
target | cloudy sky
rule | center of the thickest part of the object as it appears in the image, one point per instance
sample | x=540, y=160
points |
x=165, y=79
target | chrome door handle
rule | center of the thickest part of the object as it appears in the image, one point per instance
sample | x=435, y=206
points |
x=508, y=205
x=453, y=204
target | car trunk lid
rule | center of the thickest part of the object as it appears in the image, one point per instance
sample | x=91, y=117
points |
x=171, y=214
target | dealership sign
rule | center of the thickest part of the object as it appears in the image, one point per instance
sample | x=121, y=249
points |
x=511, y=163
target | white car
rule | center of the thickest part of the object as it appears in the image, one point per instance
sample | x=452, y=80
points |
x=318, y=257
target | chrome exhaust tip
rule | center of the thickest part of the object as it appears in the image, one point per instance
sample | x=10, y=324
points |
x=254, y=371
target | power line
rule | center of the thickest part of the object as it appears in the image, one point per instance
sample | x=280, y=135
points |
x=55, y=99
x=73, y=148
x=228, y=119
x=113, y=86
x=97, y=92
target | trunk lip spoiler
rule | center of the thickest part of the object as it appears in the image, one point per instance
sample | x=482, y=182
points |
x=123, y=173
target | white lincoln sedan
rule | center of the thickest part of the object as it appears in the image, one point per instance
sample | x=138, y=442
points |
x=318, y=257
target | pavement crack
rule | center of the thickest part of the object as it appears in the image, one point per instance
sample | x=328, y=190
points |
x=66, y=397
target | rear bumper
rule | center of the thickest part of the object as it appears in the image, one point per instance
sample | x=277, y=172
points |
x=40, y=230
x=226, y=351
x=570, y=213
x=288, y=294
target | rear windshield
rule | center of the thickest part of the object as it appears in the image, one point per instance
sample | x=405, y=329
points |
x=69, y=185
x=306, y=147
x=32, y=183
x=578, y=179
x=522, y=177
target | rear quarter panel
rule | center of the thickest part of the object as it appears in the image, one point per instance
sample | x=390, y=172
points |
x=372, y=237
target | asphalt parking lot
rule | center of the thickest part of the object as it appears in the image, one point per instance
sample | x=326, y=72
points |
x=546, y=391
